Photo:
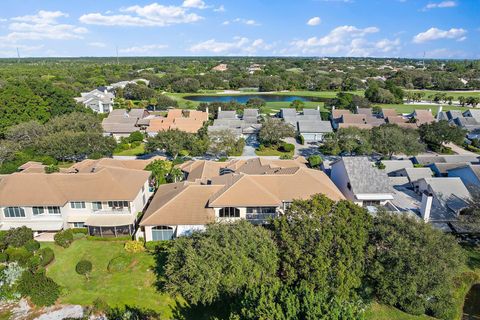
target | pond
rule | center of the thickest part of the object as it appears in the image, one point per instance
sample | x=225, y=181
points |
x=245, y=97
x=471, y=308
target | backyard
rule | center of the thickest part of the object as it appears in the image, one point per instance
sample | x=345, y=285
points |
x=136, y=285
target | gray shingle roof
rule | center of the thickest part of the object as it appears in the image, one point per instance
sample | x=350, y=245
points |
x=316, y=126
x=227, y=114
x=364, y=177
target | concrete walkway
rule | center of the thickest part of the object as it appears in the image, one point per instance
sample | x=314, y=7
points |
x=460, y=150
x=45, y=237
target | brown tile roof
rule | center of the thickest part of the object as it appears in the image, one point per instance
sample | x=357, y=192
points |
x=356, y=125
x=272, y=189
x=389, y=113
x=337, y=113
x=106, y=183
x=192, y=203
x=184, y=120
x=88, y=165
x=423, y=116
x=180, y=204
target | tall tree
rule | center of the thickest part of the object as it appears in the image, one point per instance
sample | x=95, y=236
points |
x=274, y=130
x=390, y=139
x=436, y=134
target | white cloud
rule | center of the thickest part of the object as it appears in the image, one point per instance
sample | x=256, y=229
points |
x=443, y=4
x=248, y=22
x=147, y=16
x=97, y=44
x=315, y=21
x=143, y=50
x=40, y=26
x=445, y=53
x=346, y=41
x=239, y=46
x=221, y=8
x=198, y=4
x=435, y=34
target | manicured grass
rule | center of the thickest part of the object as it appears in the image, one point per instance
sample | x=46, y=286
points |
x=381, y=312
x=274, y=107
x=133, y=287
x=132, y=152
x=408, y=108
x=272, y=152
x=455, y=94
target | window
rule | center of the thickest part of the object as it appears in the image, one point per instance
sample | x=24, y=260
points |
x=229, y=212
x=349, y=186
x=162, y=233
x=14, y=212
x=144, y=200
x=53, y=210
x=79, y=224
x=96, y=206
x=38, y=210
x=77, y=205
x=261, y=210
x=117, y=204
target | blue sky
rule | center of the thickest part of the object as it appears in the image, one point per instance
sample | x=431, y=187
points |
x=376, y=28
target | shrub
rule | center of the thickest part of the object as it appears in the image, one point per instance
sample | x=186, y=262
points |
x=64, y=238
x=18, y=237
x=100, y=305
x=42, y=290
x=119, y=263
x=315, y=161
x=135, y=144
x=52, y=168
x=20, y=255
x=301, y=139
x=32, y=245
x=3, y=257
x=134, y=246
x=83, y=267
x=287, y=147
x=136, y=136
x=161, y=245
x=79, y=230
x=286, y=157
x=34, y=262
x=47, y=255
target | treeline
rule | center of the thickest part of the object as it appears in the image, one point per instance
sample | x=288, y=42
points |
x=320, y=260
x=390, y=139
x=71, y=137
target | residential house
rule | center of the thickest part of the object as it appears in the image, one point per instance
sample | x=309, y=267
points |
x=182, y=208
x=121, y=122
x=422, y=116
x=360, y=181
x=103, y=195
x=245, y=126
x=98, y=101
x=469, y=174
x=221, y=67
x=308, y=124
x=123, y=84
x=177, y=119
x=442, y=198
x=393, y=167
x=426, y=160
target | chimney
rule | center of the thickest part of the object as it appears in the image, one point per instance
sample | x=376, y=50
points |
x=206, y=109
x=439, y=111
x=333, y=108
x=426, y=207
x=318, y=108
x=219, y=109
x=356, y=107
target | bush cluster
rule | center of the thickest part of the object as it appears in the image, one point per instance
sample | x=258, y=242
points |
x=64, y=238
x=287, y=147
x=134, y=246
x=42, y=290
x=83, y=267
x=119, y=263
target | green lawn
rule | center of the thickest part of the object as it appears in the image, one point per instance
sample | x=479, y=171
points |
x=272, y=152
x=381, y=312
x=132, y=152
x=455, y=95
x=408, y=108
x=133, y=287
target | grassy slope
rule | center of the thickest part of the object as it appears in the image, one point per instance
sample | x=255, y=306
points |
x=132, y=152
x=455, y=95
x=406, y=108
x=135, y=286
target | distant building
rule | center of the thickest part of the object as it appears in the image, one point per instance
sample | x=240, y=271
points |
x=244, y=126
x=221, y=67
x=123, y=84
x=98, y=101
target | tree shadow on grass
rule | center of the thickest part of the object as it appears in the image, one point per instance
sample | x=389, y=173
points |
x=160, y=260
x=218, y=310
x=132, y=313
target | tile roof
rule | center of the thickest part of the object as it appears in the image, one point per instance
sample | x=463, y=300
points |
x=184, y=120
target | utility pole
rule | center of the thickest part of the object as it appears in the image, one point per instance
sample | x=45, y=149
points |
x=18, y=55
x=118, y=62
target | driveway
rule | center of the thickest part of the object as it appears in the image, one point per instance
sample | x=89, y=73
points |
x=251, y=143
x=304, y=150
